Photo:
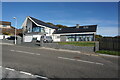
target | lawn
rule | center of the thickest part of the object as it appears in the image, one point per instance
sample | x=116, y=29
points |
x=82, y=43
x=109, y=52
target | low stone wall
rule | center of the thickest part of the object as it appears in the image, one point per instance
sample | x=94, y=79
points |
x=8, y=41
x=69, y=47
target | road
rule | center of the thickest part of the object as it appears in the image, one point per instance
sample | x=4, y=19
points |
x=58, y=64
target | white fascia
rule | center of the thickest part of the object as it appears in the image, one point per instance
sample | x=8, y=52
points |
x=25, y=22
x=78, y=33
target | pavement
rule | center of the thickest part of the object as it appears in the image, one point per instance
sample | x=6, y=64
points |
x=50, y=63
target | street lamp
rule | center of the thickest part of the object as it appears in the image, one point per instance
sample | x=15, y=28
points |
x=15, y=27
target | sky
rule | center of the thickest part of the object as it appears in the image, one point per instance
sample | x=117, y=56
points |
x=104, y=14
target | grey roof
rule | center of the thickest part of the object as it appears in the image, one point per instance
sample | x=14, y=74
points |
x=42, y=23
x=81, y=29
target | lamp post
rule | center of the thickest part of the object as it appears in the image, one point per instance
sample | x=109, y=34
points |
x=15, y=27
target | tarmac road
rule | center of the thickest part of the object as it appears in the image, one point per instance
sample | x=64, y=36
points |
x=58, y=64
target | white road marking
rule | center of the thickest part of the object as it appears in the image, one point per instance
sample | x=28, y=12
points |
x=26, y=73
x=80, y=60
x=10, y=69
x=25, y=52
x=40, y=77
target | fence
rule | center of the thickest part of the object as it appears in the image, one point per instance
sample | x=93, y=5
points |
x=109, y=44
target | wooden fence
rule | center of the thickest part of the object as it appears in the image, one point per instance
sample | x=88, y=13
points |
x=112, y=44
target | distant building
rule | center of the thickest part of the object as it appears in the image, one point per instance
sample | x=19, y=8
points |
x=6, y=28
x=34, y=29
x=5, y=24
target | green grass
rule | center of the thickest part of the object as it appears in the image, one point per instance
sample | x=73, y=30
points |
x=78, y=43
x=109, y=52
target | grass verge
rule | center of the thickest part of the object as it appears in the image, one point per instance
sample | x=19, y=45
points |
x=82, y=43
x=109, y=52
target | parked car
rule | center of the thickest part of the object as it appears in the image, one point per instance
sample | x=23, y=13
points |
x=11, y=38
x=46, y=39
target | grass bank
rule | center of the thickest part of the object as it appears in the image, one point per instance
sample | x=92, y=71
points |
x=82, y=43
x=109, y=52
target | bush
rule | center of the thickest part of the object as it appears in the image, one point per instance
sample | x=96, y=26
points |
x=6, y=33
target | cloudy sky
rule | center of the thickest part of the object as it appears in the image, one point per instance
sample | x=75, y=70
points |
x=104, y=14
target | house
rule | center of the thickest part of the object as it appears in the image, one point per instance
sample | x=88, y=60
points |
x=7, y=30
x=34, y=29
x=76, y=33
x=5, y=24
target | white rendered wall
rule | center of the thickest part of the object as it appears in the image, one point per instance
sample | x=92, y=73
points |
x=28, y=38
x=1, y=36
x=29, y=25
x=37, y=36
x=55, y=37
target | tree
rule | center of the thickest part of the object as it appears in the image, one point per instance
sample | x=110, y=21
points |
x=60, y=26
x=20, y=34
x=50, y=24
x=117, y=36
x=6, y=33
x=98, y=36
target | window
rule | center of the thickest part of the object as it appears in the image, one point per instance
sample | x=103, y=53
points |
x=4, y=25
x=60, y=29
x=86, y=27
x=38, y=29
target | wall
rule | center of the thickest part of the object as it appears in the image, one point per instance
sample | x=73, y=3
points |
x=28, y=38
x=37, y=36
x=56, y=37
x=1, y=36
x=29, y=25
x=70, y=47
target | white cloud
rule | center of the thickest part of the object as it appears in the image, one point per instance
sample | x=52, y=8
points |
x=108, y=31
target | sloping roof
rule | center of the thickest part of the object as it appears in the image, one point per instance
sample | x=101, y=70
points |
x=81, y=29
x=5, y=23
x=39, y=22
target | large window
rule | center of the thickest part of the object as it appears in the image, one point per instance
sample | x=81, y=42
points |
x=79, y=37
x=38, y=29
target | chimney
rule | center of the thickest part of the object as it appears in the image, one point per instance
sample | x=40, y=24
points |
x=77, y=25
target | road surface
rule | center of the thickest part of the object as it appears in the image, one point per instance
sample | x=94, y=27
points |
x=58, y=64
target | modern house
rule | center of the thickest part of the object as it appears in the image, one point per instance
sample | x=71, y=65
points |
x=34, y=29
x=76, y=33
